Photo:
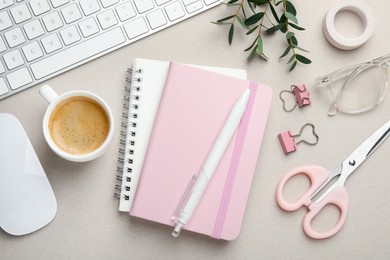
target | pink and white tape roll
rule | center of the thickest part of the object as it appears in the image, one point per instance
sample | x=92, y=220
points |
x=360, y=8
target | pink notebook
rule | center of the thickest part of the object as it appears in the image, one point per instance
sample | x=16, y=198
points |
x=193, y=108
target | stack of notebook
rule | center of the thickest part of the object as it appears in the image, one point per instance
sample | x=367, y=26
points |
x=174, y=114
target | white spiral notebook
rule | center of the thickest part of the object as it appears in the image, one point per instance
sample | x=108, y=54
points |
x=146, y=83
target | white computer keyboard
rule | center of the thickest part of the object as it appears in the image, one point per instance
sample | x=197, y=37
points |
x=43, y=38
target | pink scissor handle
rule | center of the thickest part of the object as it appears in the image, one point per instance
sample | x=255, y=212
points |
x=317, y=176
x=339, y=198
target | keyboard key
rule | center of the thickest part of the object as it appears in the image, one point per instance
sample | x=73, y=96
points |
x=2, y=69
x=51, y=43
x=88, y=27
x=174, y=11
x=71, y=13
x=107, y=19
x=14, y=37
x=19, y=78
x=156, y=19
x=52, y=21
x=89, y=6
x=2, y=45
x=107, y=3
x=39, y=6
x=143, y=5
x=125, y=11
x=5, y=3
x=20, y=13
x=5, y=21
x=32, y=51
x=77, y=53
x=188, y=2
x=209, y=2
x=57, y=3
x=160, y=2
x=70, y=35
x=13, y=59
x=33, y=29
x=3, y=87
x=194, y=7
x=136, y=27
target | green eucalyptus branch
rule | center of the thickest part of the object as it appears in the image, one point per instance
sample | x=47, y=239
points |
x=233, y=18
x=285, y=23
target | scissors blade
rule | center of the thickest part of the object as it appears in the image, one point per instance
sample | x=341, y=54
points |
x=364, y=150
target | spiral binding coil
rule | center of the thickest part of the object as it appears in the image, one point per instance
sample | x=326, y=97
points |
x=128, y=133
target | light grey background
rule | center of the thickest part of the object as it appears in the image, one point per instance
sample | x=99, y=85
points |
x=88, y=224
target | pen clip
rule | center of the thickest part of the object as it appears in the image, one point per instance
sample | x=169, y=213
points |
x=184, y=199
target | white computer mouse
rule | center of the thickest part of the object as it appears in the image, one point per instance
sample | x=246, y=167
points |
x=27, y=201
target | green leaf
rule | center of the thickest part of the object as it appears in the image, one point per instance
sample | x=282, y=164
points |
x=291, y=17
x=231, y=33
x=290, y=8
x=252, y=30
x=250, y=47
x=303, y=59
x=235, y=4
x=274, y=13
x=264, y=56
x=293, y=65
x=289, y=35
x=283, y=29
x=252, y=54
x=293, y=41
x=278, y=3
x=291, y=59
x=243, y=13
x=275, y=28
x=232, y=1
x=296, y=27
x=283, y=20
x=254, y=18
x=259, y=2
x=242, y=23
x=260, y=45
x=225, y=19
x=299, y=48
x=285, y=52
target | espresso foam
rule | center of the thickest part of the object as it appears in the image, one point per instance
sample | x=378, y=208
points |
x=79, y=125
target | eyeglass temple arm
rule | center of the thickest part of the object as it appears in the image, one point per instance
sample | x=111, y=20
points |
x=327, y=79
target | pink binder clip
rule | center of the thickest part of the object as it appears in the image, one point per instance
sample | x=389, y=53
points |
x=301, y=96
x=288, y=143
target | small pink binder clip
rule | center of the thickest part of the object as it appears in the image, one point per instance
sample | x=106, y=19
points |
x=301, y=96
x=288, y=143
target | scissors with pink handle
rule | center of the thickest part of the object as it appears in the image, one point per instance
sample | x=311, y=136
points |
x=336, y=194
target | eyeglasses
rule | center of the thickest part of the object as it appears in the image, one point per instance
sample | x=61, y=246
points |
x=363, y=86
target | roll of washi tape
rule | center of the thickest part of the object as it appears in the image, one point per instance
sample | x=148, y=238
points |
x=360, y=8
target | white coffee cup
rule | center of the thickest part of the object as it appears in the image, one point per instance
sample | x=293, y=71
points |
x=71, y=149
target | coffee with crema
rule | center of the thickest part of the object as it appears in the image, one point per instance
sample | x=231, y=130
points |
x=79, y=125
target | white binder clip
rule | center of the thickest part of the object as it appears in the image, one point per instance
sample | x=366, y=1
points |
x=288, y=143
x=301, y=95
